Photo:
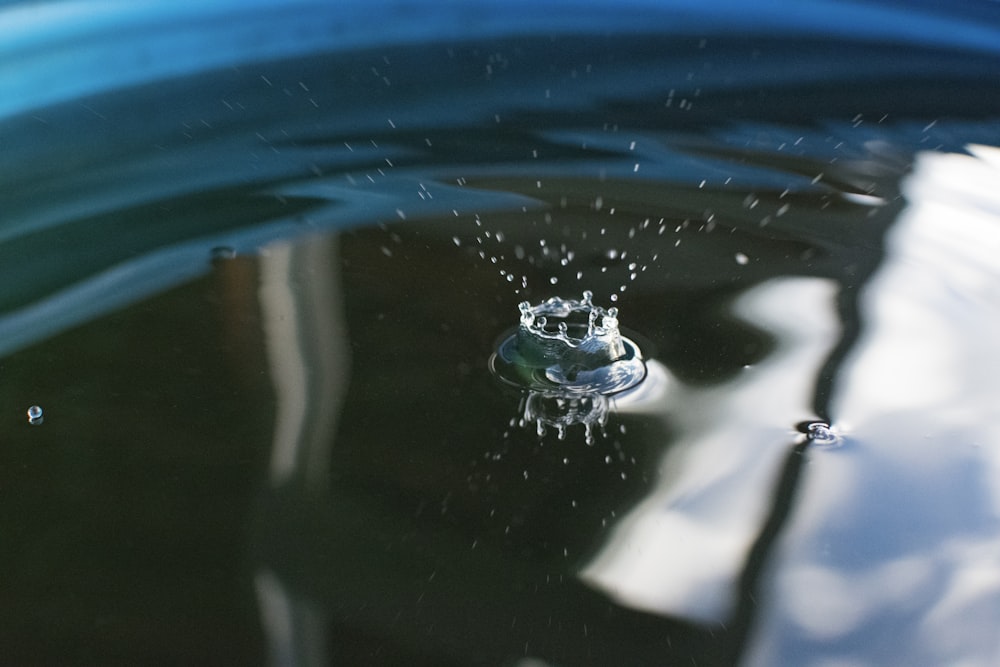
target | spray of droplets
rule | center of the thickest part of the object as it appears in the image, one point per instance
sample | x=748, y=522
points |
x=563, y=256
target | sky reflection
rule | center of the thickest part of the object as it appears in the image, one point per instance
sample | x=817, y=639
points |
x=681, y=550
x=894, y=542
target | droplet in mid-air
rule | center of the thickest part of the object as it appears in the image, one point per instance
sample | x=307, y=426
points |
x=35, y=416
x=569, y=355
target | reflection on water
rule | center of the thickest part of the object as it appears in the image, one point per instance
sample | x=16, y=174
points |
x=899, y=532
x=256, y=292
x=682, y=549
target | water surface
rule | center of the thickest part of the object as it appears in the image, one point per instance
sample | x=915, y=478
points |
x=255, y=290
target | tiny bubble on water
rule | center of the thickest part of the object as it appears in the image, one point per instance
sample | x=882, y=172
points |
x=821, y=433
x=35, y=415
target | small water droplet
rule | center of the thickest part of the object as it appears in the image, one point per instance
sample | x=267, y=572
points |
x=35, y=416
x=822, y=434
x=742, y=259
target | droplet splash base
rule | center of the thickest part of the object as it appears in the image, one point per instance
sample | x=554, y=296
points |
x=569, y=356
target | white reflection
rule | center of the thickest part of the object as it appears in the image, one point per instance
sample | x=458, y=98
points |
x=296, y=629
x=302, y=311
x=894, y=546
x=682, y=549
x=306, y=346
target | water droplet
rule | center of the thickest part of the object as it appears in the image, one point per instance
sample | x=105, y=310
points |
x=35, y=416
x=742, y=259
x=569, y=355
x=822, y=434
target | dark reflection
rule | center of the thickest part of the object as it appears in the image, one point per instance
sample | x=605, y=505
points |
x=750, y=588
x=124, y=513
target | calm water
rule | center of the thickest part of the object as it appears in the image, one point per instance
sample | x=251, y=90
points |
x=256, y=260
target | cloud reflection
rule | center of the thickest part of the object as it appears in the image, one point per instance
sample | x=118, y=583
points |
x=894, y=548
x=681, y=551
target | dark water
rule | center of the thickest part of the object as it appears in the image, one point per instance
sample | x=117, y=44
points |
x=255, y=262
